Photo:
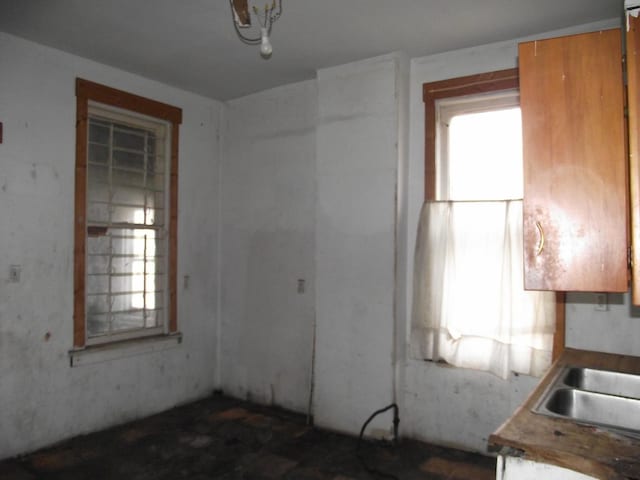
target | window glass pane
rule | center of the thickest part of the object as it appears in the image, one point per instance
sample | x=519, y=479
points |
x=98, y=154
x=155, y=165
x=98, y=283
x=132, y=197
x=98, y=176
x=98, y=212
x=156, y=188
x=120, y=303
x=130, y=138
x=125, y=278
x=97, y=324
x=129, y=160
x=126, y=169
x=124, y=214
x=121, y=284
x=98, y=258
x=96, y=194
x=97, y=264
x=152, y=318
x=485, y=155
x=128, y=320
x=120, y=265
x=125, y=266
x=99, y=132
x=128, y=178
x=97, y=314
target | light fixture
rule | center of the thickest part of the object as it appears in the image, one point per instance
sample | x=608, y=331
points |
x=264, y=18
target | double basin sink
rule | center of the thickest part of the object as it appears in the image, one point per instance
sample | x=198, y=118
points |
x=601, y=398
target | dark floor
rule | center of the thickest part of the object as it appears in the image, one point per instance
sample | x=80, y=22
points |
x=223, y=438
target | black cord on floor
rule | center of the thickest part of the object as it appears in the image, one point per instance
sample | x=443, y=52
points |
x=396, y=420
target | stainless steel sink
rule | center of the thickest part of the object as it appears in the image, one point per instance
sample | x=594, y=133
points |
x=595, y=408
x=600, y=398
x=603, y=381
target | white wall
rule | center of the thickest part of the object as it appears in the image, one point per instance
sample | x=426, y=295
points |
x=268, y=244
x=357, y=169
x=42, y=398
x=614, y=330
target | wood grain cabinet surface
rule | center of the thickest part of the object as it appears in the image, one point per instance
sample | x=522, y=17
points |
x=633, y=101
x=576, y=213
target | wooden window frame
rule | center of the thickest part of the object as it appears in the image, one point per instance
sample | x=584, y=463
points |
x=459, y=87
x=87, y=91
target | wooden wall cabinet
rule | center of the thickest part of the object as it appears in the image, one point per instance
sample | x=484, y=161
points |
x=576, y=212
x=633, y=102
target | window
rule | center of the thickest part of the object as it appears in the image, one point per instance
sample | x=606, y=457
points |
x=479, y=139
x=470, y=308
x=125, y=216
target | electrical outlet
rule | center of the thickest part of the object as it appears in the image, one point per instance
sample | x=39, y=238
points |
x=14, y=273
x=301, y=285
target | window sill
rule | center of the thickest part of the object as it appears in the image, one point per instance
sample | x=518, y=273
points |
x=444, y=364
x=129, y=348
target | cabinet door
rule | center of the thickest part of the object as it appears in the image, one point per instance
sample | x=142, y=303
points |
x=633, y=98
x=575, y=175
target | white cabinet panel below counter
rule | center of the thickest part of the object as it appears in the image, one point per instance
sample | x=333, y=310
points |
x=512, y=468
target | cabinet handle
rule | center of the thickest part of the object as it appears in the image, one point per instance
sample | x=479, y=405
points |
x=541, y=242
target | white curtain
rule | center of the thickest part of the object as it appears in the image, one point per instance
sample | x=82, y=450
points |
x=469, y=305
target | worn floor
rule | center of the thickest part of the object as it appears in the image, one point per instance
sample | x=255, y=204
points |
x=223, y=438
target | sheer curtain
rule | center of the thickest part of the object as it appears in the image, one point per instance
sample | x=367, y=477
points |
x=469, y=305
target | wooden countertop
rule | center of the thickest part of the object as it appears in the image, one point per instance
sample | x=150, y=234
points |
x=589, y=450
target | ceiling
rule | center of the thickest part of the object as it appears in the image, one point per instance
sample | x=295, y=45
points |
x=192, y=44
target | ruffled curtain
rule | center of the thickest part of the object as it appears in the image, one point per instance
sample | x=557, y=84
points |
x=469, y=305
